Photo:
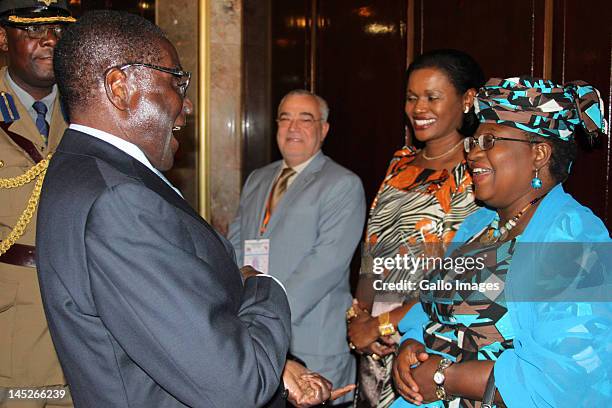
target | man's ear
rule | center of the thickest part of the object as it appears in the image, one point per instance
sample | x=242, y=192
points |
x=117, y=91
x=3, y=40
x=324, y=129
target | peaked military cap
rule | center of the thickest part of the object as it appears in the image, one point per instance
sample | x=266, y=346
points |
x=30, y=12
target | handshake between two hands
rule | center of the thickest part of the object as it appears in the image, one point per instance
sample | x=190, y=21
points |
x=306, y=388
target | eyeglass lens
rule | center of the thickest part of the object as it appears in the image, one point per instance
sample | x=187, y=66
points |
x=304, y=123
x=41, y=31
x=484, y=141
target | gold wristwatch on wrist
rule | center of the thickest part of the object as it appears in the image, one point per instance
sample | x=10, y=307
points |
x=439, y=379
x=385, y=327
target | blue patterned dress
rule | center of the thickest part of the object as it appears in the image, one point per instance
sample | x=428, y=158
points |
x=560, y=355
x=470, y=321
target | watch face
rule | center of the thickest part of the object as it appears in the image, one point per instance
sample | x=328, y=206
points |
x=438, y=378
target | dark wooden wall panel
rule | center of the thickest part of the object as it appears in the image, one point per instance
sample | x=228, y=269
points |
x=582, y=50
x=504, y=37
x=361, y=60
x=257, y=125
x=290, y=54
x=357, y=55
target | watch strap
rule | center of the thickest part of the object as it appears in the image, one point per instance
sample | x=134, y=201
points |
x=440, y=390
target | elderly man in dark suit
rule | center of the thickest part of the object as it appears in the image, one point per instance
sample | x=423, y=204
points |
x=31, y=126
x=145, y=303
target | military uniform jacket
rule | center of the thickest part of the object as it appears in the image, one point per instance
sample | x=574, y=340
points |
x=27, y=355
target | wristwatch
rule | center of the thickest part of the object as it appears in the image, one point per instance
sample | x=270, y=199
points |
x=439, y=379
x=385, y=327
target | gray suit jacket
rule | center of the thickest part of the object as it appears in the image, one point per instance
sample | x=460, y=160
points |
x=146, y=305
x=313, y=234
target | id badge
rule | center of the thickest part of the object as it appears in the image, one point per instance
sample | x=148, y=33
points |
x=256, y=254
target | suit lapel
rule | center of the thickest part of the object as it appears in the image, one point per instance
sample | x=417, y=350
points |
x=79, y=143
x=155, y=183
x=293, y=192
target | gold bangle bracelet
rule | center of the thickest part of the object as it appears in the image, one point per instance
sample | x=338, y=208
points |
x=385, y=327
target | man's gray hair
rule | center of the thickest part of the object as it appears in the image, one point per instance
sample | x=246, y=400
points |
x=323, y=107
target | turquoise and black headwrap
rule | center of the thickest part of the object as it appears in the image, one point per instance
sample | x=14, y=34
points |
x=542, y=107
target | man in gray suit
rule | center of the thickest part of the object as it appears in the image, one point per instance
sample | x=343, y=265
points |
x=146, y=305
x=301, y=219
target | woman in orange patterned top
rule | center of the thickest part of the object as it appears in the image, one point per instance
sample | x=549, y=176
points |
x=424, y=197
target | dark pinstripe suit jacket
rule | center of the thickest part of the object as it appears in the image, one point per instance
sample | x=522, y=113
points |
x=146, y=305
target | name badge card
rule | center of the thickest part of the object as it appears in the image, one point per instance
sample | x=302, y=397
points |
x=256, y=254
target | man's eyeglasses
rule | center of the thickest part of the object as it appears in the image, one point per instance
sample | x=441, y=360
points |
x=486, y=141
x=303, y=122
x=184, y=77
x=36, y=32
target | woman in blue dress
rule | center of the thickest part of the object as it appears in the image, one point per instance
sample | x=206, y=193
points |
x=520, y=313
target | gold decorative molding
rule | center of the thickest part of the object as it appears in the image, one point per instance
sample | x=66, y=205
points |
x=203, y=85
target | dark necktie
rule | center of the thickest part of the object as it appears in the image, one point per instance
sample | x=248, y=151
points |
x=41, y=121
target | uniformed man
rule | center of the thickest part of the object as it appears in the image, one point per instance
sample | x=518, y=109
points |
x=31, y=125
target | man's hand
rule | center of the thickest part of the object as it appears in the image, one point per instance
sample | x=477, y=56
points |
x=411, y=352
x=248, y=271
x=307, y=388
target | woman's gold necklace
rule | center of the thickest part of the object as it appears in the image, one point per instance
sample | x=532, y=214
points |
x=452, y=149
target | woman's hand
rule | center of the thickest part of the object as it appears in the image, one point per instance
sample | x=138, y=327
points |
x=380, y=349
x=423, y=376
x=411, y=353
x=362, y=330
x=364, y=335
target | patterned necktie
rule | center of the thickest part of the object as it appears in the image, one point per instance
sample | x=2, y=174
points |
x=279, y=188
x=41, y=121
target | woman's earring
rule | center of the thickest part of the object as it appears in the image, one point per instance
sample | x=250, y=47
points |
x=536, y=182
x=466, y=109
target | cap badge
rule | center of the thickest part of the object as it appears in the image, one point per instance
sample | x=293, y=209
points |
x=48, y=2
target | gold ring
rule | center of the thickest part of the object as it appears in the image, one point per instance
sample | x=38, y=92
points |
x=375, y=357
x=350, y=313
x=351, y=345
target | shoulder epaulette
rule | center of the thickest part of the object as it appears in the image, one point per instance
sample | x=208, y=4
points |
x=8, y=109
